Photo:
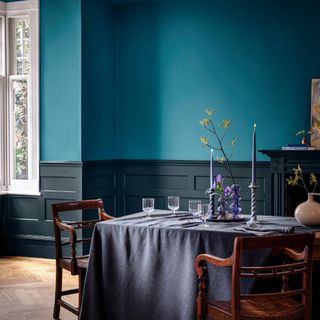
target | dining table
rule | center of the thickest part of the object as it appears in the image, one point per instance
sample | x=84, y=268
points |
x=142, y=268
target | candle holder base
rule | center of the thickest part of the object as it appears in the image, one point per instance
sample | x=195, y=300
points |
x=253, y=220
x=211, y=203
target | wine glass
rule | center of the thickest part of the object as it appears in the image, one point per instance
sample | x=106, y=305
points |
x=148, y=206
x=173, y=204
x=203, y=210
x=193, y=207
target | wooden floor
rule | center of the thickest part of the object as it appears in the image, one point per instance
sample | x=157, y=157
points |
x=27, y=289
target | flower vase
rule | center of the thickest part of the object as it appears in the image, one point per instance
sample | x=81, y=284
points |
x=222, y=208
x=308, y=213
x=235, y=207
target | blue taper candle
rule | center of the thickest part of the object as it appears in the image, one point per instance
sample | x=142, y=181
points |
x=211, y=168
x=253, y=173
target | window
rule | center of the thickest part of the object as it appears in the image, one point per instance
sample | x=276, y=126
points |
x=19, y=111
x=2, y=104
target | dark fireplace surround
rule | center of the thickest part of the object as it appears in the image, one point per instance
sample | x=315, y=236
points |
x=284, y=198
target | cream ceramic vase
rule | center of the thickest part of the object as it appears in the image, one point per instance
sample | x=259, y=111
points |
x=308, y=213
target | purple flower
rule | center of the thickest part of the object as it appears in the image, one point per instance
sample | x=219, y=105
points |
x=219, y=178
x=227, y=191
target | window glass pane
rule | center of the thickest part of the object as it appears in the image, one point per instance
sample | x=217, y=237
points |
x=26, y=47
x=19, y=49
x=26, y=29
x=19, y=66
x=2, y=155
x=27, y=66
x=20, y=128
x=2, y=46
x=22, y=47
x=19, y=30
x=2, y=124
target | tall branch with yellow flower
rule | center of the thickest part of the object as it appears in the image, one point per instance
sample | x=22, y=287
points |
x=298, y=180
x=217, y=145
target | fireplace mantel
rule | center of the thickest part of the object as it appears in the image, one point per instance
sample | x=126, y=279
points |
x=282, y=164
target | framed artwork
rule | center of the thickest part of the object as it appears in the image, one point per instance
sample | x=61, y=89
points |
x=315, y=114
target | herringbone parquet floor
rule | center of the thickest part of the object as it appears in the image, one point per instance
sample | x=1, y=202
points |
x=27, y=289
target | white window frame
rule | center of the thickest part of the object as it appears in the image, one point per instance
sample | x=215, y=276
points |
x=3, y=160
x=17, y=10
x=2, y=136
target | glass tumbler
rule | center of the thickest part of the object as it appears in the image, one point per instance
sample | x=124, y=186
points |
x=193, y=207
x=173, y=204
x=148, y=206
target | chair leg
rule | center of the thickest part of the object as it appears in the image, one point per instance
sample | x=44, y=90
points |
x=56, y=309
x=201, y=315
x=82, y=275
x=201, y=301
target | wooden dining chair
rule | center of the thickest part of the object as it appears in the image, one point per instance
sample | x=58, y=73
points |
x=286, y=303
x=78, y=233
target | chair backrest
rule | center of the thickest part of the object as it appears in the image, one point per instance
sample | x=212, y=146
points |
x=297, y=247
x=71, y=211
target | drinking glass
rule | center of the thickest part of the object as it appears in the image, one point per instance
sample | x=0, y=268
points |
x=148, y=206
x=203, y=210
x=193, y=207
x=173, y=204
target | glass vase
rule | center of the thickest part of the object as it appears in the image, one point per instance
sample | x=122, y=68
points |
x=222, y=207
x=235, y=206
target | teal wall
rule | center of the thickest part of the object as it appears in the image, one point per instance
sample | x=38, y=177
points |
x=132, y=81
x=60, y=79
x=251, y=60
x=99, y=137
x=78, y=80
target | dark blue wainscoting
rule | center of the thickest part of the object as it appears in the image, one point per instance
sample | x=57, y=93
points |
x=187, y=179
x=26, y=222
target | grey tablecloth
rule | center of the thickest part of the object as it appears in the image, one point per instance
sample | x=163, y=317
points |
x=143, y=269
